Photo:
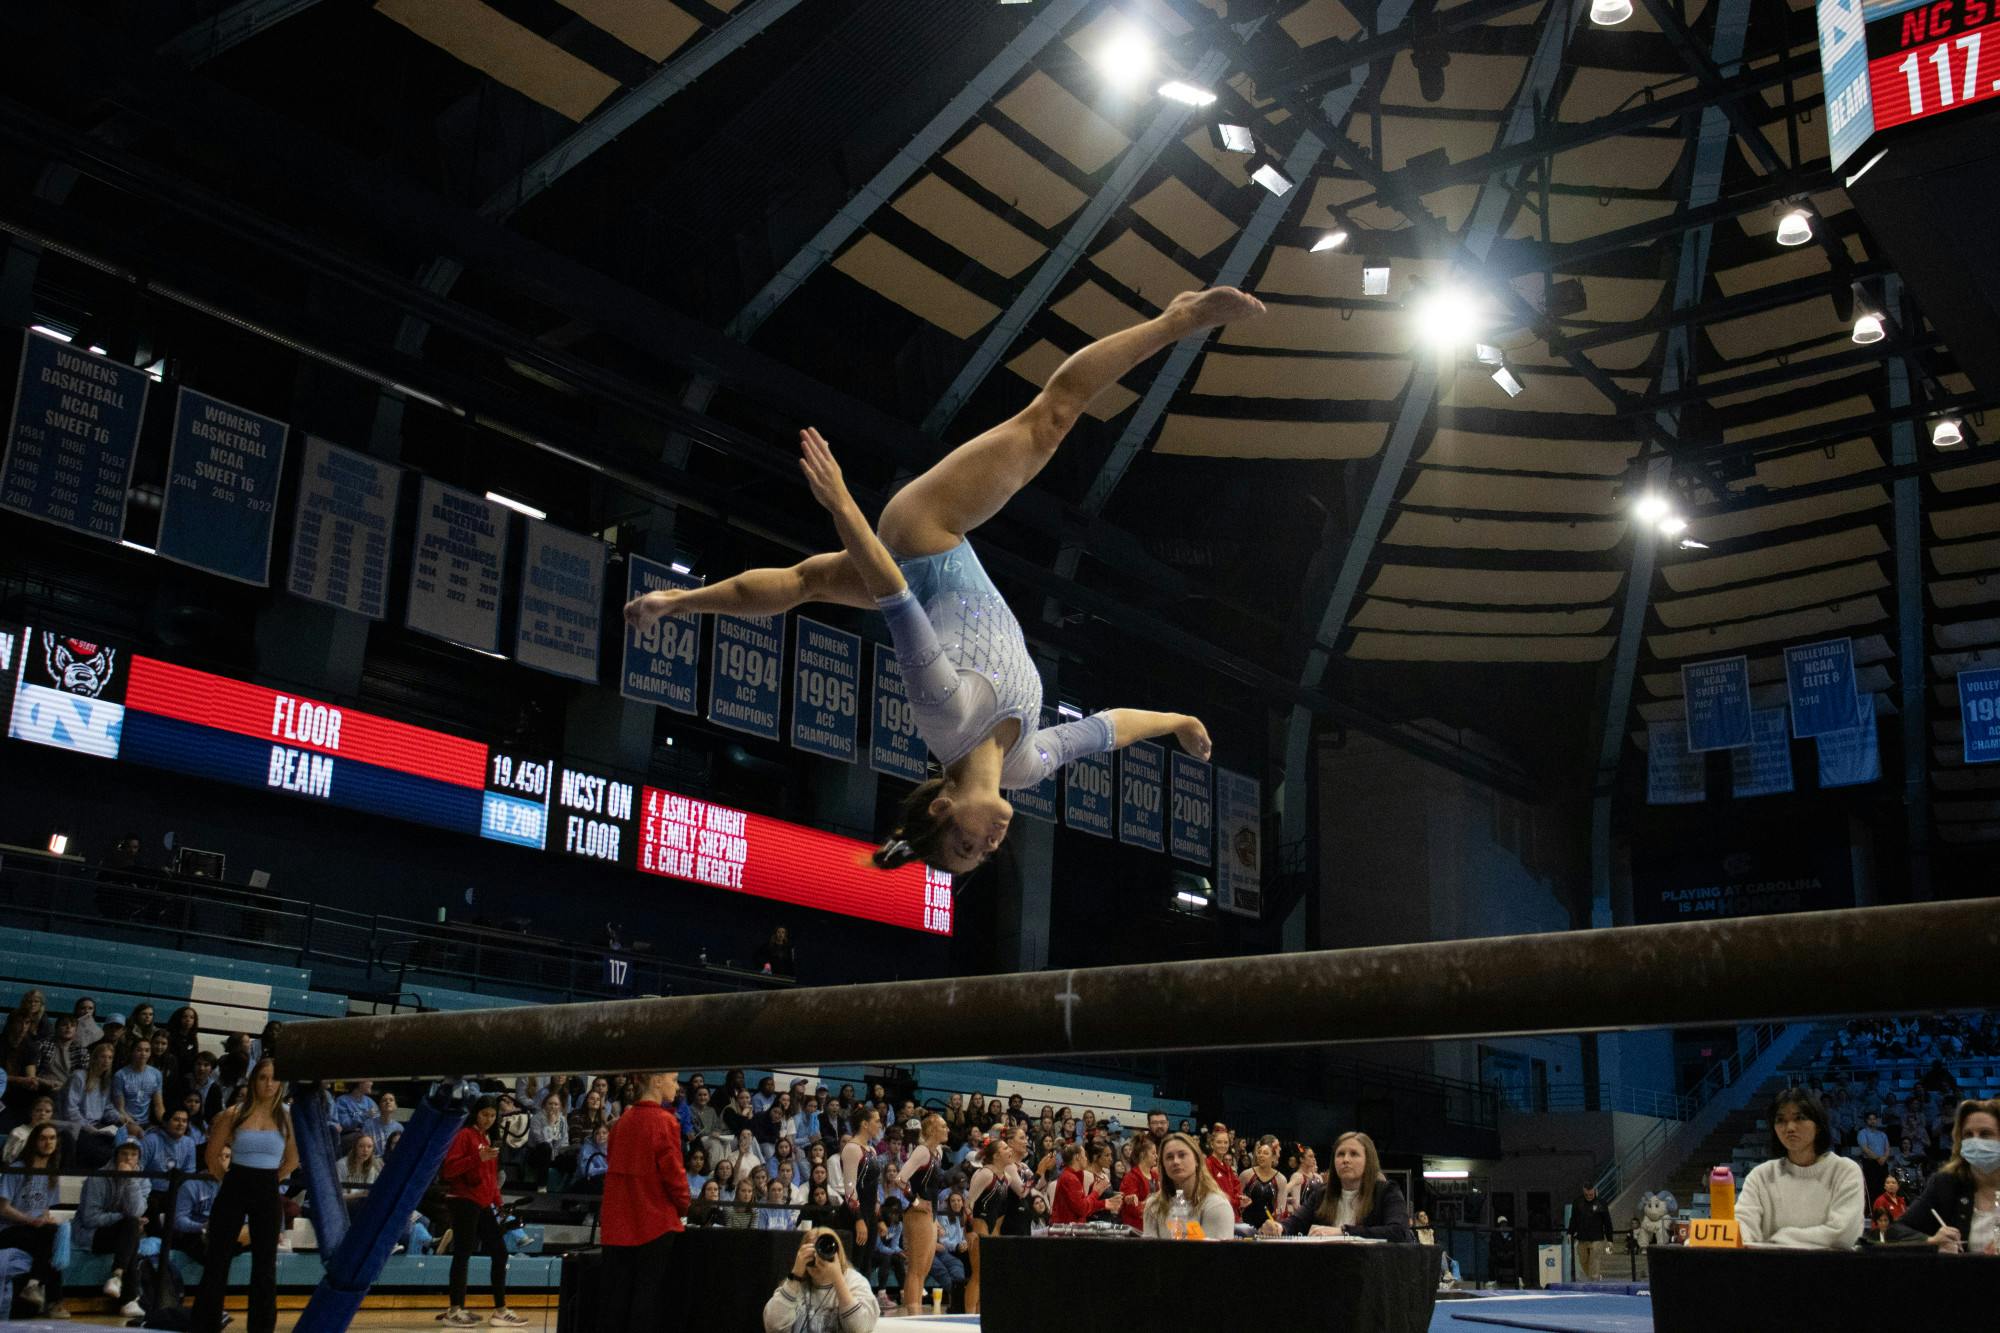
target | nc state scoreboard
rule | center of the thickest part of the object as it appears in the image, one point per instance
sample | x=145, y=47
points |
x=1889, y=63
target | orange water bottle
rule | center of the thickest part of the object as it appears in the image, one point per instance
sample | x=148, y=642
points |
x=1722, y=1194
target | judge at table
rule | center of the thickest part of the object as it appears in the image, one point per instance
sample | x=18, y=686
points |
x=1807, y=1197
x=1357, y=1200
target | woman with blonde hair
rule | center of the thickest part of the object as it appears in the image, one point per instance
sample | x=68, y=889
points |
x=257, y=1132
x=1959, y=1209
x=1358, y=1201
x=823, y=1293
x=1184, y=1175
x=922, y=1177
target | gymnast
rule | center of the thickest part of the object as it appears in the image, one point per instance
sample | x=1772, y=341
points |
x=975, y=692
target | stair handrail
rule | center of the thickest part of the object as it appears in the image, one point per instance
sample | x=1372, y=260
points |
x=1720, y=1075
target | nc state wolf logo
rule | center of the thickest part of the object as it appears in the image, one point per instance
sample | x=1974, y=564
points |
x=78, y=666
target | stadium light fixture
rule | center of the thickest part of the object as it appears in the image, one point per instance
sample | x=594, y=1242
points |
x=1264, y=169
x=1610, y=13
x=1333, y=240
x=1945, y=433
x=1673, y=525
x=1229, y=138
x=1126, y=58
x=1375, y=277
x=1794, y=226
x=1175, y=90
x=1651, y=508
x=1509, y=382
x=518, y=506
x=1448, y=317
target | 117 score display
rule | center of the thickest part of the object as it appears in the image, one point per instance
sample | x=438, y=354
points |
x=1932, y=59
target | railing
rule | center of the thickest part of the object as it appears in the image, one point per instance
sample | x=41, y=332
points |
x=1598, y=1097
x=1719, y=1076
x=390, y=953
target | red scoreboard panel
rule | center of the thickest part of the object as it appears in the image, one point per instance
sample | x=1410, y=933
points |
x=1931, y=59
x=684, y=838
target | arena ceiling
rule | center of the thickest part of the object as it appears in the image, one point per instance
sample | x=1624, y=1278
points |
x=895, y=217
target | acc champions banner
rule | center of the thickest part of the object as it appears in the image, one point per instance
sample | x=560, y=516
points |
x=826, y=691
x=222, y=488
x=1673, y=776
x=455, y=567
x=893, y=744
x=663, y=662
x=1979, y=710
x=562, y=602
x=1142, y=781
x=342, y=529
x=1191, y=822
x=1038, y=801
x=1717, y=695
x=1087, y=798
x=1820, y=680
x=1764, y=766
x=1239, y=852
x=73, y=439
x=747, y=674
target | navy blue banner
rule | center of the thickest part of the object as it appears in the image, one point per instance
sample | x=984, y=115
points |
x=1764, y=766
x=1820, y=678
x=1191, y=809
x=222, y=488
x=826, y=691
x=1088, y=801
x=1851, y=756
x=1142, y=783
x=1673, y=776
x=663, y=663
x=1038, y=801
x=893, y=744
x=1717, y=695
x=343, y=529
x=1979, y=710
x=562, y=602
x=73, y=439
x=747, y=674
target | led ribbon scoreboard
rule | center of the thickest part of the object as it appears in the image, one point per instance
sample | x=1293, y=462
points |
x=1889, y=63
x=101, y=700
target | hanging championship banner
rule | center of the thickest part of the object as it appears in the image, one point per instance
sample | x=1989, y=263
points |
x=1673, y=776
x=1820, y=679
x=1191, y=819
x=1764, y=766
x=826, y=690
x=893, y=744
x=342, y=529
x=1239, y=852
x=455, y=567
x=73, y=438
x=1717, y=695
x=562, y=602
x=222, y=488
x=663, y=661
x=1142, y=780
x=1087, y=798
x=744, y=682
x=1850, y=757
x=1979, y=710
x=1038, y=801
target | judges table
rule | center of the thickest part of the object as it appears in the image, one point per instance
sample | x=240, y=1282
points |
x=1891, y=1286
x=1122, y=1285
x=722, y=1279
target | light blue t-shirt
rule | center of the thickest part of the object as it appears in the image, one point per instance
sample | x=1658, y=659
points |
x=136, y=1088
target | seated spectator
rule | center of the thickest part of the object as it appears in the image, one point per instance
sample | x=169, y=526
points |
x=359, y=1169
x=87, y=1108
x=707, y=1210
x=385, y=1129
x=1358, y=1201
x=166, y=1149
x=767, y=1092
x=548, y=1135
x=184, y=1035
x=724, y=1176
x=708, y=1127
x=1806, y=1196
x=593, y=1159
x=742, y=1217
x=18, y=1051
x=778, y=1218
x=1891, y=1200
x=26, y=1221
x=1185, y=1177
x=1958, y=1211
x=137, y=1090
x=41, y=1111
x=140, y=1026
x=1879, y=1223
x=1038, y=1214
x=775, y=955
x=59, y=1055
x=587, y=1119
x=193, y=1205
x=785, y=1164
x=1141, y=1178
x=353, y=1109
x=818, y=1210
x=163, y=1059
x=197, y=1076
x=111, y=1219
x=885, y=1248
x=88, y=1032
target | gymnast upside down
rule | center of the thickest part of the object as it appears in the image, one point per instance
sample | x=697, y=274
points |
x=974, y=689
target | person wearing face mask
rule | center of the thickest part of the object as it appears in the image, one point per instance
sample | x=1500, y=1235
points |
x=1807, y=1196
x=1957, y=1210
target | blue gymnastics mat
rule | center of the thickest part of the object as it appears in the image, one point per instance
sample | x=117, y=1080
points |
x=1553, y=1314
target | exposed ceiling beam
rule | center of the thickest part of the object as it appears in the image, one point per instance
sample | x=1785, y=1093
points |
x=203, y=41
x=1561, y=258
x=1325, y=61
x=1787, y=373
x=1715, y=312
x=1912, y=662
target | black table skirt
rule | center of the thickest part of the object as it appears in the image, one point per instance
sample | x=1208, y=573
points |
x=1886, y=1287
x=723, y=1277
x=1034, y=1284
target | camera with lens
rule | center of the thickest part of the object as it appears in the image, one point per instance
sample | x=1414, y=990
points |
x=827, y=1248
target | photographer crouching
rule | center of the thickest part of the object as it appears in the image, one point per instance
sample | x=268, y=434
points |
x=821, y=1294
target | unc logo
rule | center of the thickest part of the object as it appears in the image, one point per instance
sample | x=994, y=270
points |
x=77, y=666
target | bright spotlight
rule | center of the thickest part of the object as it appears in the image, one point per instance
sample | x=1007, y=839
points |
x=1127, y=58
x=1374, y=278
x=1229, y=138
x=1673, y=525
x=1867, y=328
x=1795, y=227
x=1266, y=172
x=1448, y=317
x=1176, y=91
x=1610, y=13
x=1333, y=240
x=1506, y=380
x=1650, y=508
x=1946, y=433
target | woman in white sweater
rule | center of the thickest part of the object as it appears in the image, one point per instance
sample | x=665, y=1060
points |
x=1183, y=1174
x=1807, y=1197
x=820, y=1294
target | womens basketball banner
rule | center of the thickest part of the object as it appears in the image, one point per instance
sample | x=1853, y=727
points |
x=1142, y=780
x=73, y=438
x=826, y=690
x=222, y=488
x=455, y=567
x=747, y=674
x=343, y=529
x=1191, y=803
x=562, y=602
x=1239, y=859
x=1087, y=794
x=893, y=744
x=663, y=661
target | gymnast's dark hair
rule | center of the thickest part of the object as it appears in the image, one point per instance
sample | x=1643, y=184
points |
x=919, y=835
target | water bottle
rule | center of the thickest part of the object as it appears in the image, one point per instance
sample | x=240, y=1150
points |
x=1179, y=1215
x=1722, y=1194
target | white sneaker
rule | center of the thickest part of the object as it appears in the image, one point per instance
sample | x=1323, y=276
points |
x=506, y=1319
x=461, y=1318
x=31, y=1294
x=132, y=1310
x=114, y=1287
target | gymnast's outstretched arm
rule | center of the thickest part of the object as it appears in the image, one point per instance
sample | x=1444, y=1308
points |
x=865, y=552
x=1137, y=724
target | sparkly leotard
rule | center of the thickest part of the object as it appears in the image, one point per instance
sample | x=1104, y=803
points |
x=966, y=667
